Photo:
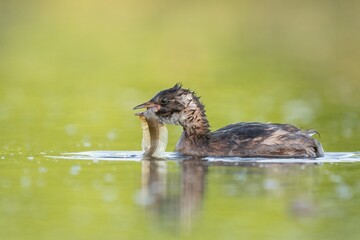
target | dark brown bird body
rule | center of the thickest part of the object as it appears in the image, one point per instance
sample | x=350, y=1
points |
x=245, y=139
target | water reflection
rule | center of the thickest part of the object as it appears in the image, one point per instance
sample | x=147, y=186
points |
x=153, y=183
x=192, y=189
x=173, y=199
x=179, y=196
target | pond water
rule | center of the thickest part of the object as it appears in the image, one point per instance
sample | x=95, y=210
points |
x=120, y=195
x=71, y=73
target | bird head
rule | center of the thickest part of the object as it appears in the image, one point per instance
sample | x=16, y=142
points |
x=169, y=105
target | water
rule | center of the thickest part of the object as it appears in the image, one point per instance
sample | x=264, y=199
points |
x=117, y=194
x=70, y=74
x=330, y=157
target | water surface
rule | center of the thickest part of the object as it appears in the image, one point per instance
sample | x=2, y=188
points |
x=71, y=72
x=116, y=194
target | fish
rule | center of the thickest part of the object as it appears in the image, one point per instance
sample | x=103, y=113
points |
x=155, y=134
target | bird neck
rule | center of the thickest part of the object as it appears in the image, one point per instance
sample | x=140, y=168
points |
x=194, y=121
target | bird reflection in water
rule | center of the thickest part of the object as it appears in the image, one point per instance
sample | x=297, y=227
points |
x=173, y=200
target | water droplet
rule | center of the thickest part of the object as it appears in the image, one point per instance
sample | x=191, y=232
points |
x=70, y=129
x=344, y=191
x=86, y=144
x=270, y=184
x=43, y=169
x=75, y=170
x=25, y=181
x=112, y=135
x=242, y=177
x=335, y=178
x=108, y=177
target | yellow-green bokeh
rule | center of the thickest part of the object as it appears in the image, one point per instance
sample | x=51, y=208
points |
x=84, y=65
x=71, y=72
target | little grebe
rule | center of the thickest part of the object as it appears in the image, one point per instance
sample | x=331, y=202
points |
x=245, y=139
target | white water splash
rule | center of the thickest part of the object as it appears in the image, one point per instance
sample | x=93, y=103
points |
x=330, y=157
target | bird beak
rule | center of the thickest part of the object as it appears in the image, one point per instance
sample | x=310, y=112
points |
x=147, y=105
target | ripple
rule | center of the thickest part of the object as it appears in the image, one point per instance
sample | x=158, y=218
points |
x=135, y=156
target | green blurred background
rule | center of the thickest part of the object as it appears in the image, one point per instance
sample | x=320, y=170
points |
x=71, y=71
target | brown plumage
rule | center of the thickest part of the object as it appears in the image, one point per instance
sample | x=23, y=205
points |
x=245, y=139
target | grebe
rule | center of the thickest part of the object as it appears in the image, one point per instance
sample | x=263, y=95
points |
x=181, y=106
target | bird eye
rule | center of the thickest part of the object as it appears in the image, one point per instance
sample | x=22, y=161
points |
x=164, y=100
